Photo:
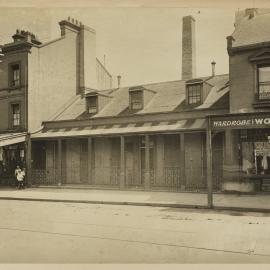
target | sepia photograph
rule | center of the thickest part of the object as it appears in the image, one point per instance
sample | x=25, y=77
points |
x=134, y=134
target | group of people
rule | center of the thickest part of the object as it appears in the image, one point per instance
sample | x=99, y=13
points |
x=20, y=175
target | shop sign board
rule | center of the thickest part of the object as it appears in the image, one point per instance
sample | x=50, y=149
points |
x=240, y=122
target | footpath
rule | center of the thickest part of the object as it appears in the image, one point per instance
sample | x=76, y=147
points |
x=256, y=202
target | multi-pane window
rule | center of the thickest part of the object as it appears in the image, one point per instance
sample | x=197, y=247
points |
x=264, y=82
x=136, y=100
x=92, y=104
x=16, y=115
x=15, y=75
x=194, y=93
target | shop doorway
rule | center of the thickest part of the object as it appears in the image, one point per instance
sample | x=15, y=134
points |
x=10, y=157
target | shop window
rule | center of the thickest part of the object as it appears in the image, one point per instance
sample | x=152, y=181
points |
x=14, y=75
x=194, y=94
x=264, y=82
x=16, y=115
x=136, y=99
x=255, y=152
x=92, y=104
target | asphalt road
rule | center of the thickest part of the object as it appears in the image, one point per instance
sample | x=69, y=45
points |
x=46, y=232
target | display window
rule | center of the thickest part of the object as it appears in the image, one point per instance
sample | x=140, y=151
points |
x=255, y=152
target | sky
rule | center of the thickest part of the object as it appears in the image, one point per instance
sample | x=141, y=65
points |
x=143, y=45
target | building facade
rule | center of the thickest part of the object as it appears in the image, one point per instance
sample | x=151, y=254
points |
x=143, y=137
x=246, y=127
x=38, y=80
x=192, y=134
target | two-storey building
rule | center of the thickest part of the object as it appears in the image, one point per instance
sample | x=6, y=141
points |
x=38, y=80
x=246, y=127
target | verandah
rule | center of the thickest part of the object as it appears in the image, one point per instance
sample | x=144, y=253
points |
x=161, y=161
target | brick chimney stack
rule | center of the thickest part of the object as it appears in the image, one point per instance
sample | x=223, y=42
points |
x=188, y=48
x=86, y=45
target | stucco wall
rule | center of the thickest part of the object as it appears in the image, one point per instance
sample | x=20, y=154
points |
x=242, y=83
x=9, y=95
x=52, y=78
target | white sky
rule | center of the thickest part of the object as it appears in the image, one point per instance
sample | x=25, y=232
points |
x=141, y=44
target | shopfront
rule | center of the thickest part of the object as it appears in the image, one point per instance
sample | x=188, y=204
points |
x=246, y=163
x=12, y=154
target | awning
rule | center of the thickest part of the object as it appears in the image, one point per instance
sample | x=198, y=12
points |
x=122, y=129
x=12, y=138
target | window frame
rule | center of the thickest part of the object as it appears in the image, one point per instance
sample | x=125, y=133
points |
x=258, y=83
x=88, y=104
x=11, y=74
x=11, y=115
x=131, y=101
x=194, y=96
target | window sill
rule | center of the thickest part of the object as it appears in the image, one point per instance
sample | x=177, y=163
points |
x=10, y=88
x=16, y=129
x=261, y=104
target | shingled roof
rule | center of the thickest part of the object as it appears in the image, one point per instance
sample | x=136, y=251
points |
x=252, y=30
x=167, y=97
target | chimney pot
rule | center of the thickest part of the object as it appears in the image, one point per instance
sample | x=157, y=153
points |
x=213, y=67
x=119, y=81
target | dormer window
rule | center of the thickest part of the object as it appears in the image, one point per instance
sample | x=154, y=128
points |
x=264, y=82
x=136, y=98
x=92, y=104
x=194, y=94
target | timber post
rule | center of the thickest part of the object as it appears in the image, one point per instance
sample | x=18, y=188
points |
x=209, y=163
x=59, y=162
x=122, y=163
x=182, y=161
x=89, y=160
x=147, y=184
x=28, y=159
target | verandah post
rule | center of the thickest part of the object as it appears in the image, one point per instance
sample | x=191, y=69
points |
x=122, y=163
x=182, y=161
x=89, y=161
x=29, y=160
x=147, y=163
x=59, y=162
x=209, y=164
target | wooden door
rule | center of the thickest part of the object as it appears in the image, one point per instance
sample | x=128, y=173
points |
x=73, y=162
x=194, y=161
x=129, y=162
x=102, y=161
x=50, y=163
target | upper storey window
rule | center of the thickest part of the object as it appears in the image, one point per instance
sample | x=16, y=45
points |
x=136, y=98
x=264, y=82
x=14, y=75
x=16, y=115
x=194, y=94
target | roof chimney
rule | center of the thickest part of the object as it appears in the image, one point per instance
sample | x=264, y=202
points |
x=22, y=35
x=188, y=48
x=119, y=81
x=213, y=67
x=251, y=12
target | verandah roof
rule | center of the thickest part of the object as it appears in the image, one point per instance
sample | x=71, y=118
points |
x=12, y=138
x=122, y=129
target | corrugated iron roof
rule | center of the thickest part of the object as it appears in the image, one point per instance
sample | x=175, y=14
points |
x=166, y=97
x=129, y=128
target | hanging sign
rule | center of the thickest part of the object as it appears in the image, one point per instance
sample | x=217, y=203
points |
x=240, y=122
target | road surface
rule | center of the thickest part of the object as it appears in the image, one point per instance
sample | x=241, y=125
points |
x=53, y=232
